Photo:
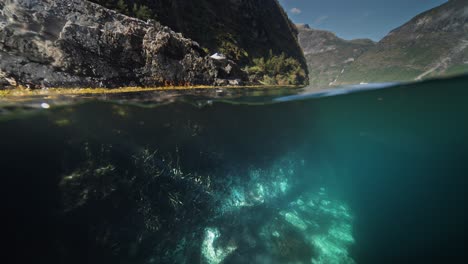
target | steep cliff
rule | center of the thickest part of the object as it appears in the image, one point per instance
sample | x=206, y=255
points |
x=241, y=29
x=75, y=43
x=54, y=43
x=327, y=55
x=433, y=43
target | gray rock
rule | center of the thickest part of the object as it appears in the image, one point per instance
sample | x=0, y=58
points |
x=59, y=43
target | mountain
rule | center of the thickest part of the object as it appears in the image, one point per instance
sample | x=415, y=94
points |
x=328, y=55
x=434, y=43
x=243, y=30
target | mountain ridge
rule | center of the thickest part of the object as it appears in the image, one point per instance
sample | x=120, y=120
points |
x=328, y=55
x=433, y=43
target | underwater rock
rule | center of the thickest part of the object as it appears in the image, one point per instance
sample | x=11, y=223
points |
x=247, y=218
x=294, y=220
x=58, y=43
x=312, y=228
x=211, y=254
x=259, y=186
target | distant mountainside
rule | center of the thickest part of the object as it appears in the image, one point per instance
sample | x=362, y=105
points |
x=434, y=43
x=328, y=55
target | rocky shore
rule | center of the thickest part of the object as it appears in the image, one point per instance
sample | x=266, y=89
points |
x=58, y=43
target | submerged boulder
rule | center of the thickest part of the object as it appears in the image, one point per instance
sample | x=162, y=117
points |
x=58, y=43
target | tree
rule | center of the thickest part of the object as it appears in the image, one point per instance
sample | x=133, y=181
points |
x=142, y=12
x=122, y=7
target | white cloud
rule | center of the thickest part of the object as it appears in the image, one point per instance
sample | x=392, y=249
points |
x=295, y=10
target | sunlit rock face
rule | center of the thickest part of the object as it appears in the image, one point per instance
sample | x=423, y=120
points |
x=77, y=43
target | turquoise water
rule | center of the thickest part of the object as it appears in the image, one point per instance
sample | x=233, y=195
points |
x=355, y=176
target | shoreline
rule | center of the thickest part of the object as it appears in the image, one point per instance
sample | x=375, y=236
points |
x=23, y=91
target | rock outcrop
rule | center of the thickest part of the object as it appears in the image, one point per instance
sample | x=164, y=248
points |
x=75, y=43
x=240, y=29
x=244, y=31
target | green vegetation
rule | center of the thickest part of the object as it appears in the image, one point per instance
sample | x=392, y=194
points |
x=228, y=45
x=141, y=12
x=457, y=69
x=122, y=7
x=277, y=70
x=138, y=8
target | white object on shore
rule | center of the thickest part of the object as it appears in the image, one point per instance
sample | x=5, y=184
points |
x=218, y=56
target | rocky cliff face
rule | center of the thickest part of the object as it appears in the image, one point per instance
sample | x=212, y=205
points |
x=58, y=43
x=433, y=43
x=243, y=30
x=328, y=55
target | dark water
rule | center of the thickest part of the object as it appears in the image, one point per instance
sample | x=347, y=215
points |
x=376, y=176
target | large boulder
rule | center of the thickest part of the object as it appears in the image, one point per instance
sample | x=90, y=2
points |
x=63, y=43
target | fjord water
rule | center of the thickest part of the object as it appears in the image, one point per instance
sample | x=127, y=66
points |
x=376, y=176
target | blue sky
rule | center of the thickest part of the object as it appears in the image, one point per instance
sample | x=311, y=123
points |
x=351, y=19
